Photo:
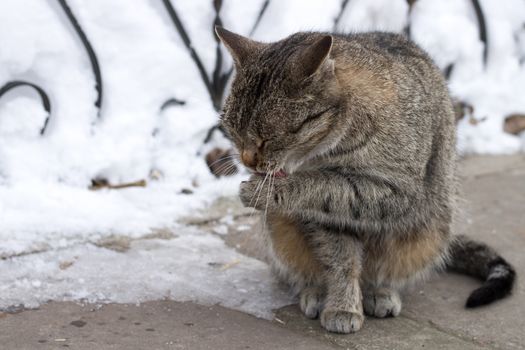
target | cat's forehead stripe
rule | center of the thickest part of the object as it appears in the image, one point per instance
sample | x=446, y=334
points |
x=262, y=78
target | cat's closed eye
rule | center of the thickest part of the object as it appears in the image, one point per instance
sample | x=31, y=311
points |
x=312, y=117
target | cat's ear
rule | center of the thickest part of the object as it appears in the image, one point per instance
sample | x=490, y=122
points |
x=313, y=57
x=239, y=46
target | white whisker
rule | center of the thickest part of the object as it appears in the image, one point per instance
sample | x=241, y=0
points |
x=221, y=159
x=258, y=192
x=268, y=193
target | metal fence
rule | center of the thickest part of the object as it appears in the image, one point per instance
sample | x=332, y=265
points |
x=216, y=82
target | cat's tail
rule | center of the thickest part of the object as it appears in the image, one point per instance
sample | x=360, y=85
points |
x=479, y=260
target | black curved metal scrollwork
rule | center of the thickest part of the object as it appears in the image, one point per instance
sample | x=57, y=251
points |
x=172, y=102
x=89, y=49
x=187, y=42
x=482, y=27
x=337, y=19
x=482, y=32
x=215, y=85
x=219, y=79
x=260, y=15
x=94, y=64
x=43, y=96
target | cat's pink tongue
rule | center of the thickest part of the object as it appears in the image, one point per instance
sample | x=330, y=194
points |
x=279, y=173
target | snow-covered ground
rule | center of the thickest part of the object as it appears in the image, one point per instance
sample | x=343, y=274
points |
x=192, y=267
x=45, y=204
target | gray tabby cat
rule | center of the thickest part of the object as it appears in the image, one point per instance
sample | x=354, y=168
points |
x=351, y=139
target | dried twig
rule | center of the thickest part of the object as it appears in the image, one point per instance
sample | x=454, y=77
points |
x=230, y=265
x=98, y=184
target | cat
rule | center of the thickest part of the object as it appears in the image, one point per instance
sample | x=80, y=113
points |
x=351, y=142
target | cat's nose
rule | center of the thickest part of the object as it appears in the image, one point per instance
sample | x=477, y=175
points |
x=249, y=157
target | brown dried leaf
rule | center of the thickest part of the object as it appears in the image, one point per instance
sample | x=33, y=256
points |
x=514, y=124
x=65, y=265
x=462, y=109
x=220, y=163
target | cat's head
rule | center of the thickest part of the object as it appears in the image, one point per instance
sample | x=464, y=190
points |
x=284, y=101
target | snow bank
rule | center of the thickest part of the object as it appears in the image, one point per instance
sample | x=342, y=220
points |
x=44, y=194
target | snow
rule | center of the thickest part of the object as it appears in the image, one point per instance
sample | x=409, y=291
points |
x=47, y=214
x=195, y=266
x=283, y=18
x=363, y=15
x=447, y=29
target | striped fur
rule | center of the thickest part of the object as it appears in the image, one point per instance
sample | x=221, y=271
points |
x=363, y=127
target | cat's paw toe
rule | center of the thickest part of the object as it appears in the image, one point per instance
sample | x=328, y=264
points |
x=310, y=302
x=339, y=321
x=382, y=304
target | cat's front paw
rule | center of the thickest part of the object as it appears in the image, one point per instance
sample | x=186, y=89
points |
x=247, y=192
x=261, y=193
x=339, y=321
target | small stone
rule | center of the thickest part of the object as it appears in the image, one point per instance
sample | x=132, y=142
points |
x=186, y=191
x=78, y=323
x=65, y=264
x=155, y=174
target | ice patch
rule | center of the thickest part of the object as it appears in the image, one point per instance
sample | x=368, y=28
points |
x=194, y=266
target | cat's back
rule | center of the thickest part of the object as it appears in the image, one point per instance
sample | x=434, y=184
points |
x=391, y=45
x=395, y=84
x=381, y=48
x=397, y=74
x=392, y=55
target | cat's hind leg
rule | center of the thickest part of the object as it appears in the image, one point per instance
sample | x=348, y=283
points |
x=382, y=302
x=390, y=265
x=311, y=300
